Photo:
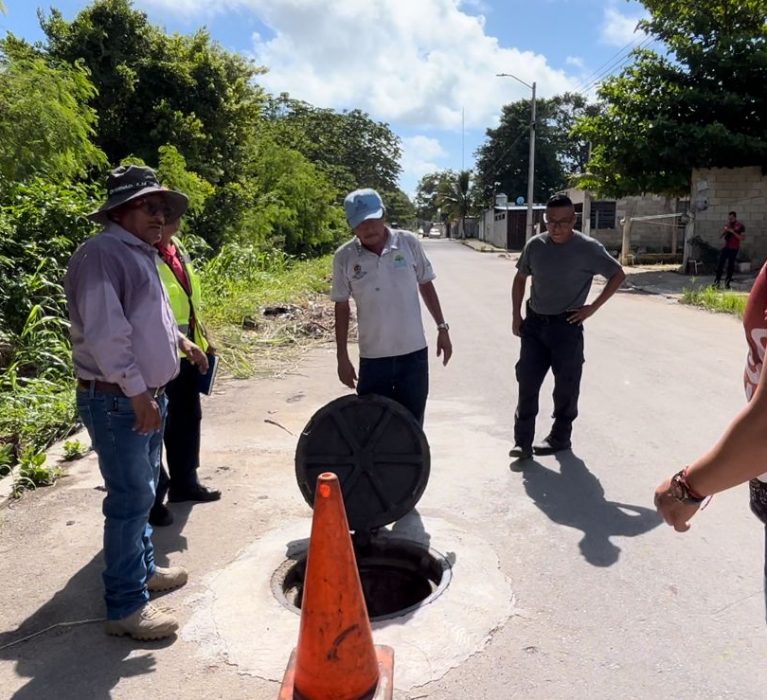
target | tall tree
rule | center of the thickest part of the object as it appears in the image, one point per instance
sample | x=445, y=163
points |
x=155, y=88
x=46, y=125
x=700, y=103
x=454, y=197
x=427, y=196
x=504, y=157
x=350, y=147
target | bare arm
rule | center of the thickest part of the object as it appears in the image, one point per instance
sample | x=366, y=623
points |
x=517, y=295
x=346, y=371
x=737, y=457
x=431, y=299
x=580, y=315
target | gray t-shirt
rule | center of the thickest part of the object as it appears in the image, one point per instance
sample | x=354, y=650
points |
x=562, y=272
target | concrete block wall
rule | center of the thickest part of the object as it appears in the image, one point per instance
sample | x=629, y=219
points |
x=717, y=191
x=652, y=237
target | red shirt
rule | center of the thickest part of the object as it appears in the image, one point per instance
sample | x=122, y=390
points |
x=733, y=242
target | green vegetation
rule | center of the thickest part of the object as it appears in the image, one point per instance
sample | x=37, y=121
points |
x=74, y=449
x=696, y=102
x=715, y=300
x=266, y=178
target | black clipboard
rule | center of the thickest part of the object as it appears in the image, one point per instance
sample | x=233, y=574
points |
x=206, y=381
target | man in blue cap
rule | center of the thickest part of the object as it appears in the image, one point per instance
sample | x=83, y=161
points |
x=384, y=270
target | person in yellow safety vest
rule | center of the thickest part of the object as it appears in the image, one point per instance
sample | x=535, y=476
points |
x=182, y=425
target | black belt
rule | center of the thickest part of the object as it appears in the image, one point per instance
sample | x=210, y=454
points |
x=110, y=388
x=549, y=317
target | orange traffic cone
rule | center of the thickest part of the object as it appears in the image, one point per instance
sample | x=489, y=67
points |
x=335, y=658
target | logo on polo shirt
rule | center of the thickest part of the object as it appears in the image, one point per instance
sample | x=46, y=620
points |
x=399, y=260
x=359, y=273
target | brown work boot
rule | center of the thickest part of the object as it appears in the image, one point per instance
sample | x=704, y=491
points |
x=167, y=579
x=147, y=623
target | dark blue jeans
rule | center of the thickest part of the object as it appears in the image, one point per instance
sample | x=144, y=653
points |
x=130, y=465
x=548, y=342
x=403, y=378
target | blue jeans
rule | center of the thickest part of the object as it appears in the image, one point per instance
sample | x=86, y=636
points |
x=130, y=465
x=403, y=378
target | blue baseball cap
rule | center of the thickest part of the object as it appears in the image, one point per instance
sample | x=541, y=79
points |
x=362, y=205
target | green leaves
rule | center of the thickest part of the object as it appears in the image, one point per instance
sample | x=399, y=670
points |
x=559, y=153
x=46, y=126
x=702, y=103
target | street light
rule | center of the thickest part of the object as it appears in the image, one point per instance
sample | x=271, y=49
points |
x=531, y=160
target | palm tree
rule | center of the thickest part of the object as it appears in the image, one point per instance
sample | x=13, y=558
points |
x=454, y=200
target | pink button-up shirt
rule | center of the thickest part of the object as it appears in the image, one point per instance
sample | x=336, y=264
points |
x=122, y=327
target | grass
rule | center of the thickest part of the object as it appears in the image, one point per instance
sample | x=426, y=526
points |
x=715, y=300
x=249, y=342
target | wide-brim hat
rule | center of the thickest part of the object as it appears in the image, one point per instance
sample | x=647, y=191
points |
x=131, y=182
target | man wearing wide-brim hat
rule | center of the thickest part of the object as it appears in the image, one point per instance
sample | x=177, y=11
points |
x=125, y=346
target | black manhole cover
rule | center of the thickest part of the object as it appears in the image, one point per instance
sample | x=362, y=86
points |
x=377, y=450
x=397, y=576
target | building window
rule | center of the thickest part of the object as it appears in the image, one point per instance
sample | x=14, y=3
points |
x=602, y=214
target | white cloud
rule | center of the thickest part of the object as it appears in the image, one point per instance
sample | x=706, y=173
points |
x=575, y=61
x=420, y=155
x=619, y=29
x=414, y=62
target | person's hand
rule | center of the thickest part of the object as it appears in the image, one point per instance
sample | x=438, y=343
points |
x=444, y=346
x=346, y=372
x=580, y=315
x=148, y=418
x=673, y=511
x=516, y=326
x=194, y=354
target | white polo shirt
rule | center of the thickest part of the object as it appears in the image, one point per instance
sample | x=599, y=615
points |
x=385, y=291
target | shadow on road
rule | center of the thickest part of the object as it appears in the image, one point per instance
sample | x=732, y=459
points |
x=574, y=497
x=77, y=661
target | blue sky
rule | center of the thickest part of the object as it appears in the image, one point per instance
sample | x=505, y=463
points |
x=426, y=67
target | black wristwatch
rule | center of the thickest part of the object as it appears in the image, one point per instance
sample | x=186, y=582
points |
x=681, y=491
x=443, y=326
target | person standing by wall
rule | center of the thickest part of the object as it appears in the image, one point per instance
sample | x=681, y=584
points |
x=562, y=263
x=384, y=270
x=182, y=425
x=125, y=346
x=733, y=234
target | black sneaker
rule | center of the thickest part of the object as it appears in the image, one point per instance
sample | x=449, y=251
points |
x=160, y=516
x=197, y=493
x=519, y=452
x=550, y=447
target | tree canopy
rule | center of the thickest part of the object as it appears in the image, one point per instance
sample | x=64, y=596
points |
x=698, y=103
x=504, y=157
x=46, y=126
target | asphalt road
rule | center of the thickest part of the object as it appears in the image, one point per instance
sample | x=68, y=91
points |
x=584, y=594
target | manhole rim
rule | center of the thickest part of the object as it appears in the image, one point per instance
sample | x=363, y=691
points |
x=299, y=555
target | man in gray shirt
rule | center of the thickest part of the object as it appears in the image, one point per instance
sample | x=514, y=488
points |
x=125, y=346
x=562, y=263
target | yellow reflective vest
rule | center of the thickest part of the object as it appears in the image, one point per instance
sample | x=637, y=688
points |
x=182, y=304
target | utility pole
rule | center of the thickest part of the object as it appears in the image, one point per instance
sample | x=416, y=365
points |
x=531, y=159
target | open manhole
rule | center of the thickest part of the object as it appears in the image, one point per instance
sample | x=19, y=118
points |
x=397, y=576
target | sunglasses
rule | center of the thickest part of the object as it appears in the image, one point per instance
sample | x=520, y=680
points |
x=154, y=207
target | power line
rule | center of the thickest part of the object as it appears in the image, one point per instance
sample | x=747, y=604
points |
x=612, y=67
x=630, y=45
